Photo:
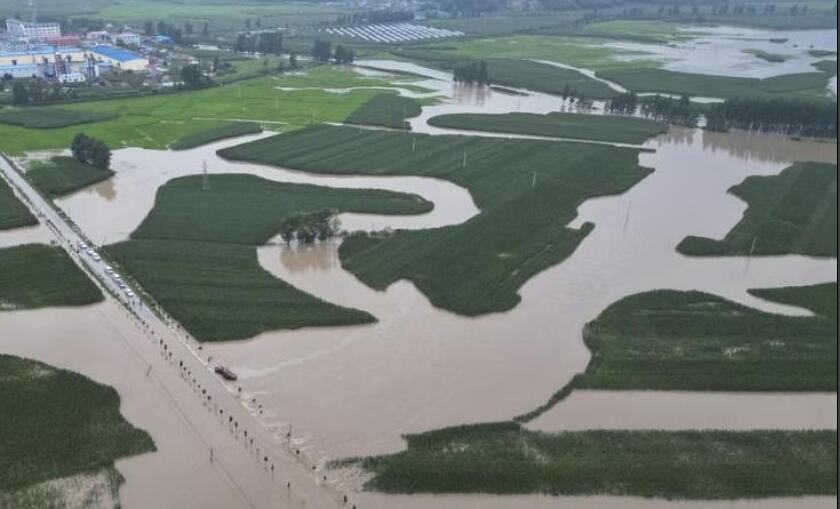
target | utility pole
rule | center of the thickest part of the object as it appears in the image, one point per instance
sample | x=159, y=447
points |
x=205, y=178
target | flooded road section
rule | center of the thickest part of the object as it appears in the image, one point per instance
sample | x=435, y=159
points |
x=100, y=342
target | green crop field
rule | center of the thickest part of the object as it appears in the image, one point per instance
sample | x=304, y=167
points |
x=13, y=213
x=386, y=110
x=560, y=125
x=195, y=253
x=811, y=85
x=63, y=175
x=230, y=130
x=504, y=458
x=794, y=212
x=156, y=121
x=36, y=275
x=58, y=424
x=692, y=341
x=51, y=118
x=527, y=190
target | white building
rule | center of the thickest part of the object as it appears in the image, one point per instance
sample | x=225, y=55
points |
x=32, y=31
x=127, y=38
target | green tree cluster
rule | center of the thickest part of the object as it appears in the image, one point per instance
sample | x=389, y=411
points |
x=472, y=73
x=307, y=228
x=787, y=116
x=667, y=109
x=343, y=55
x=90, y=151
x=322, y=50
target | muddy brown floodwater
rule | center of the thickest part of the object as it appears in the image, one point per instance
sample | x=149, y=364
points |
x=354, y=390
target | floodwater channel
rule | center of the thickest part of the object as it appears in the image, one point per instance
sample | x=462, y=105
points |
x=354, y=390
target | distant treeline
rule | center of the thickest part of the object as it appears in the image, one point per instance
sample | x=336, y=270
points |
x=267, y=43
x=378, y=16
x=786, y=116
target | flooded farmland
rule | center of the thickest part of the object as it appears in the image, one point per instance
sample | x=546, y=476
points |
x=355, y=390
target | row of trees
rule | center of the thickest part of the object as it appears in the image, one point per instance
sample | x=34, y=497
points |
x=307, y=228
x=169, y=29
x=786, y=116
x=657, y=107
x=267, y=43
x=668, y=109
x=322, y=51
x=624, y=104
x=472, y=73
x=90, y=151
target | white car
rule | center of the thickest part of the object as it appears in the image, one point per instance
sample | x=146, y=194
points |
x=95, y=257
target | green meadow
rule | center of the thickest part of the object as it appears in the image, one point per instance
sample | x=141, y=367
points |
x=196, y=253
x=559, y=125
x=385, y=110
x=794, y=212
x=155, y=121
x=810, y=85
x=63, y=175
x=526, y=196
x=13, y=213
x=505, y=458
x=36, y=275
x=57, y=424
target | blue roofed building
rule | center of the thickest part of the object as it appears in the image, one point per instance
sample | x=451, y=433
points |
x=119, y=58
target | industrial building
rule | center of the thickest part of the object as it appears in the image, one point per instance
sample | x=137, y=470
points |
x=42, y=61
x=119, y=58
